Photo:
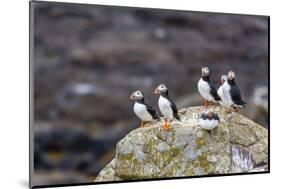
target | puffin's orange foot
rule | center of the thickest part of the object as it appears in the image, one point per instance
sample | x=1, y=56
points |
x=142, y=125
x=166, y=126
x=206, y=103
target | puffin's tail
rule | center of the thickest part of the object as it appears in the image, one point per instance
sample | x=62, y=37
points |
x=156, y=117
x=217, y=98
x=240, y=104
x=178, y=117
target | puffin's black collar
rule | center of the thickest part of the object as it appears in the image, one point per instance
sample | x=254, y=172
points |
x=141, y=101
x=206, y=78
x=165, y=94
x=231, y=82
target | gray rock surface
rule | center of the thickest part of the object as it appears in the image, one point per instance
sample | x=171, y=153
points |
x=236, y=145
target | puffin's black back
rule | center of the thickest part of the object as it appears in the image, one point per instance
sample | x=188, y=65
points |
x=149, y=108
x=152, y=112
x=235, y=93
x=213, y=89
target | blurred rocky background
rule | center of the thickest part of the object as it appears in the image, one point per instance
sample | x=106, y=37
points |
x=88, y=59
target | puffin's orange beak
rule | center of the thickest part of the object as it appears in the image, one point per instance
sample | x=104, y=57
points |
x=157, y=91
x=132, y=97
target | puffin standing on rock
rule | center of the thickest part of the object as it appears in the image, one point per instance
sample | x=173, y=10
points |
x=206, y=89
x=145, y=112
x=232, y=92
x=166, y=106
x=208, y=120
x=221, y=94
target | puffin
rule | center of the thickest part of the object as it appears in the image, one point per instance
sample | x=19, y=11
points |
x=145, y=112
x=166, y=106
x=232, y=92
x=208, y=120
x=206, y=89
x=221, y=94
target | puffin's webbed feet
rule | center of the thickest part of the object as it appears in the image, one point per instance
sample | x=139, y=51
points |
x=206, y=103
x=166, y=125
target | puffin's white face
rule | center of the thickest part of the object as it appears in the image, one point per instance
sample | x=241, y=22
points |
x=205, y=71
x=137, y=95
x=231, y=75
x=223, y=78
x=161, y=89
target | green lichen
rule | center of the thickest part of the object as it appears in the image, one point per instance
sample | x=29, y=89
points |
x=202, y=161
x=150, y=148
x=200, y=142
x=188, y=171
x=125, y=169
x=169, y=171
x=125, y=157
x=169, y=155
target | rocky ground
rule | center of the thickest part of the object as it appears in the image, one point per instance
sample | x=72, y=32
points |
x=88, y=59
x=237, y=145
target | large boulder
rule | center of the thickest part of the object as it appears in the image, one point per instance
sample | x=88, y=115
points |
x=236, y=145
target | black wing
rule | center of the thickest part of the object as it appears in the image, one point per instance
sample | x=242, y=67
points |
x=175, y=109
x=152, y=112
x=236, y=95
x=204, y=117
x=214, y=93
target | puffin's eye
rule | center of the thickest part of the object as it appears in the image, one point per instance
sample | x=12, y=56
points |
x=138, y=93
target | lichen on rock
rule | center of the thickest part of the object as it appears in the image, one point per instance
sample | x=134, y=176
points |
x=236, y=145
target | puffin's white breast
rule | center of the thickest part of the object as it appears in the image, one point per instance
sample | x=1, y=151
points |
x=165, y=108
x=226, y=92
x=223, y=101
x=204, y=90
x=141, y=111
x=208, y=124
